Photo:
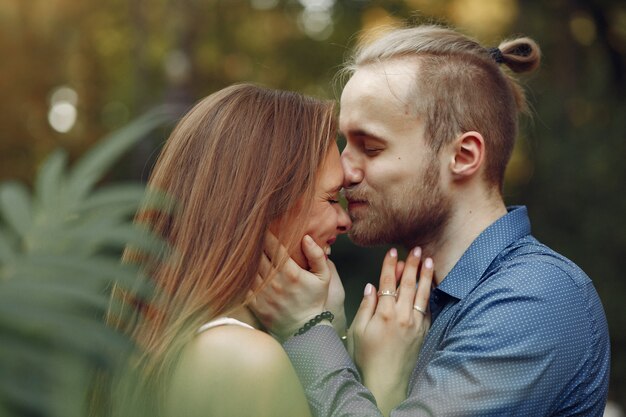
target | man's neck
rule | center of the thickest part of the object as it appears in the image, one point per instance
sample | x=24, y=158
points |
x=465, y=224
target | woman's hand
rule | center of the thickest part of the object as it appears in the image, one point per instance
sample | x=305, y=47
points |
x=293, y=295
x=389, y=328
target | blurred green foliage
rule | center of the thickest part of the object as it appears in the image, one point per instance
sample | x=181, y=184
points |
x=60, y=252
x=120, y=57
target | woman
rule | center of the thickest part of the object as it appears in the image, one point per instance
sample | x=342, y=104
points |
x=244, y=161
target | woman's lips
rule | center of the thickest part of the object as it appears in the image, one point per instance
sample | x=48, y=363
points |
x=327, y=248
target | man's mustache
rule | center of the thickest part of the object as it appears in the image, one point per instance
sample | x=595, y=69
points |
x=355, y=194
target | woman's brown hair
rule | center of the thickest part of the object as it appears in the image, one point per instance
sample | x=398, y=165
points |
x=240, y=159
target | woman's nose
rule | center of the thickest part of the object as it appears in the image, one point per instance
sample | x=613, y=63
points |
x=344, y=223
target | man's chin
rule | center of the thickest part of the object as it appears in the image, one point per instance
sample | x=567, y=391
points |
x=365, y=238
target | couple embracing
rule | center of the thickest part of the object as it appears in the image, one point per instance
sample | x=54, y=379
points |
x=480, y=319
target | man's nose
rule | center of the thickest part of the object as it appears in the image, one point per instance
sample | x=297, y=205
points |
x=352, y=172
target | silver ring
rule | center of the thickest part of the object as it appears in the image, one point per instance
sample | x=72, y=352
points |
x=387, y=292
x=420, y=309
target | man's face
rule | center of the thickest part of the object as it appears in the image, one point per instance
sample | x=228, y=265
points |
x=392, y=177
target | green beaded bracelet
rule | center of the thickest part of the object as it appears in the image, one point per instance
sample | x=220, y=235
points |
x=326, y=315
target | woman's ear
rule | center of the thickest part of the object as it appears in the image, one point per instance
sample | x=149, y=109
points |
x=468, y=157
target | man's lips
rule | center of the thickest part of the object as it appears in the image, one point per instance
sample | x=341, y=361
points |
x=353, y=204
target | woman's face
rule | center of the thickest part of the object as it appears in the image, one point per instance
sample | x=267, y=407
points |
x=326, y=219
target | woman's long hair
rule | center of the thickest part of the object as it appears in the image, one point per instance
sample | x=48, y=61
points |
x=240, y=159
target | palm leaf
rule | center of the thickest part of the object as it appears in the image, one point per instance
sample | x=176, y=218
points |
x=98, y=160
x=59, y=257
x=6, y=250
x=16, y=207
x=49, y=180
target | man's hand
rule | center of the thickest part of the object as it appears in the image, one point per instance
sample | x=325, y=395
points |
x=335, y=301
x=293, y=295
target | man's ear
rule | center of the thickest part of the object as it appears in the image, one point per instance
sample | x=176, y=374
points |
x=468, y=157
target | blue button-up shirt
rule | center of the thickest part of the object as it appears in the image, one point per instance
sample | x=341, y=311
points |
x=518, y=330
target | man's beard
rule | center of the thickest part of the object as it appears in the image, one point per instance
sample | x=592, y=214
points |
x=412, y=216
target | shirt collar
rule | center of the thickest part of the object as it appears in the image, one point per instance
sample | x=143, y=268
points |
x=484, y=249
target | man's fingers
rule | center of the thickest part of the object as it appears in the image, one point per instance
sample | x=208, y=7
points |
x=265, y=267
x=315, y=256
x=274, y=250
x=333, y=268
x=259, y=281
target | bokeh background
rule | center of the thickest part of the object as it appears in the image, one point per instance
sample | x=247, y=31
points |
x=72, y=71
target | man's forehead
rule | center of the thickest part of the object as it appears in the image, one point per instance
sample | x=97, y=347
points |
x=380, y=82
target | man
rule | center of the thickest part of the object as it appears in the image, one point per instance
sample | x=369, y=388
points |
x=430, y=122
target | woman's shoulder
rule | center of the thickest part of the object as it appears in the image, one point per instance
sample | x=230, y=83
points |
x=236, y=371
x=235, y=346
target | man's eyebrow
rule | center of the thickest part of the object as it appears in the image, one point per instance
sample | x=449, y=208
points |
x=361, y=133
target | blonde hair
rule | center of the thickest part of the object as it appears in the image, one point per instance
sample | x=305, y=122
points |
x=459, y=86
x=240, y=159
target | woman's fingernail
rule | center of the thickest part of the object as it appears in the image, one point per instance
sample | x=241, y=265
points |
x=428, y=263
x=308, y=240
x=393, y=253
x=417, y=252
x=368, y=289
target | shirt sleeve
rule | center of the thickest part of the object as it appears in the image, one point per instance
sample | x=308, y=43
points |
x=330, y=379
x=528, y=345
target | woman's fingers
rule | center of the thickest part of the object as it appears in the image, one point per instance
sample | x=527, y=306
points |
x=366, y=310
x=399, y=270
x=423, y=289
x=408, y=282
x=388, y=275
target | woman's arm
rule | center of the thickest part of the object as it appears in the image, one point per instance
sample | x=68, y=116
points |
x=238, y=372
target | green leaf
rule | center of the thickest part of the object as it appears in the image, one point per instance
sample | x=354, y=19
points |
x=106, y=235
x=92, y=272
x=92, y=166
x=7, y=252
x=16, y=207
x=50, y=178
x=55, y=294
x=124, y=194
x=86, y=335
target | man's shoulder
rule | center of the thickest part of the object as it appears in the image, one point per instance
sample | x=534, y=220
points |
x=538, y=264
